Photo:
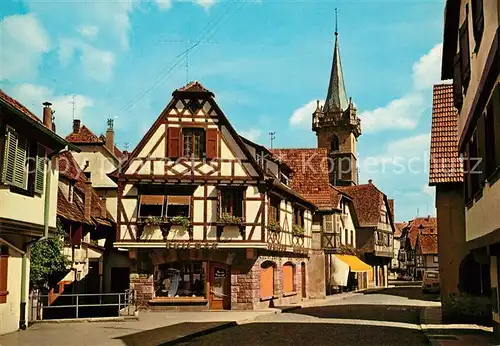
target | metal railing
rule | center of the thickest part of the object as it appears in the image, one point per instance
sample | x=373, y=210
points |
x=94, y=304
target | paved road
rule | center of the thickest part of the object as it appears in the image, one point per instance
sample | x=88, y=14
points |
x=387, y=317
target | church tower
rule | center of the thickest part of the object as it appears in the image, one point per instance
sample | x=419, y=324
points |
x=337, y=126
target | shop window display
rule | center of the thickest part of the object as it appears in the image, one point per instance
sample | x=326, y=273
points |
x=180, y=279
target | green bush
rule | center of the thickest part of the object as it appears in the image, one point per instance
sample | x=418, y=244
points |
x=465, y=308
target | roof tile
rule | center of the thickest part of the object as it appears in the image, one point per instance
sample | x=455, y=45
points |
x=445, y=163
x=84, y=135
x=17, y=105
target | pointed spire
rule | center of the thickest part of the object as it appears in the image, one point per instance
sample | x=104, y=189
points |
x=336, y=98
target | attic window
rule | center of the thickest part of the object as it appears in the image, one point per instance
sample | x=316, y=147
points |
x=193, y=106
x=284, y=178
x=87, y=174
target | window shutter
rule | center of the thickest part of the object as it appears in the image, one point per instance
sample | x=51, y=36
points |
x=478, y=20
x=40, y=169
x=20, y=171
x=4, y=266
x=465, y=53
x=76, y=236
x=174, y=138
x=467, y=176
x=9, y=158
x=481, y=148
x=496, y=126
x=211, y=144
x=457, y=82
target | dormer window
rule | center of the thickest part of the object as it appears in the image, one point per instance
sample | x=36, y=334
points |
x=284, y=178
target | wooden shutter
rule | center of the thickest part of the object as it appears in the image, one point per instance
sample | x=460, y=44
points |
x=288, y=278
x=211, y=143
x=496, y=126
x=76, y=236
x=174, y=141
x=481, y=148
x=20, y=171
x=478, y=20
x=9, y=159
x=465, y=53
x=467, y=175
x=267, y=281
x=4, y=266
x=490, y=140
x=457, y=82
x=39, y=169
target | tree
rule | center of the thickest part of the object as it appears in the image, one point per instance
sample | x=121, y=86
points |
x=47, y=259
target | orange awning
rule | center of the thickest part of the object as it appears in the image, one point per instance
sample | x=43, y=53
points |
x=354, y=263
x=152, y=199
x=178, y=200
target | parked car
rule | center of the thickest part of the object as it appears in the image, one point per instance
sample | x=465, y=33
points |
x=430, y=281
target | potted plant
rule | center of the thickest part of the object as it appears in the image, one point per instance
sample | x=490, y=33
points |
x=153, y=220
x=181, y=221
x=274, y=226
x=298, y=231
x=228, y=219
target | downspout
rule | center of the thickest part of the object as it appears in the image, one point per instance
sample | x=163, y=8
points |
x=22, y=317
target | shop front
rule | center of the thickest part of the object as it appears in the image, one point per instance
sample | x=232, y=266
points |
x=172, y=279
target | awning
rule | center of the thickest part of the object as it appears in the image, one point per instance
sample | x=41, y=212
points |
x=178, y=200
x=152, y=199
x=354, y=263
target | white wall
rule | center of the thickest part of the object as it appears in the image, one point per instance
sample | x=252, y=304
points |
x=10, y=311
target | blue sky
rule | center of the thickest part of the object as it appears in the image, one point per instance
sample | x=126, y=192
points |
x=266, y=61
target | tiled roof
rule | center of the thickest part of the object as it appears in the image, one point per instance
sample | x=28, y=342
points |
x=70, y=169
x=367, y=202
x=194, y=86
x=428, y=244
x=17, y=105
x=310, y=175
x=399, y=226
x=445, y=163
x=84, y=135
x=421, y=225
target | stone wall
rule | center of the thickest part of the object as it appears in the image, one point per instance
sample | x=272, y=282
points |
x=143, y=286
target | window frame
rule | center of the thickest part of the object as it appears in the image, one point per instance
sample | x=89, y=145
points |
x=230, y=193
x=464, y=46
x=298, y=216
x=274, y=209
x=477, y=22
x=193, y=133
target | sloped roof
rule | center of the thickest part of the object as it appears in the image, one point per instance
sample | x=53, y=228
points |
x=17, y=105
x=194, y=87
x=367, y=200
x=84, y=135
x=336, y=98
x=445, y=163
x=310, y=175
x=421, y=225
x=428, y=244
x=70, y=169
x=399, y=226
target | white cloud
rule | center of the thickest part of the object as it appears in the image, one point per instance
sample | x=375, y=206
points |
x=303, y=115
x=97, y=64
x=206, y=4
x=32, y=96
x=88, y=31
x=402, y=113
x=24, y=40
x=164, y=4
x=427, y=71
x=252, y=134
x=407, y=148
x=111, y=18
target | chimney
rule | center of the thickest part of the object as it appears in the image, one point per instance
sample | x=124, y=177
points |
x=76, y=125
x=87, y=203
x=47, y=115
x=370, y=181
x=110, y=136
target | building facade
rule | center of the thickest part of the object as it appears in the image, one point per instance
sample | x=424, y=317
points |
x=471, y=58
x=29, y=175
x=209, y=221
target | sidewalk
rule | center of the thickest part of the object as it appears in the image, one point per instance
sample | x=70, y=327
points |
x=441, y=334
x=152, y=328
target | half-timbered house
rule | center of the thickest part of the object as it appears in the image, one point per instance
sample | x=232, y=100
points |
x=208, y=217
